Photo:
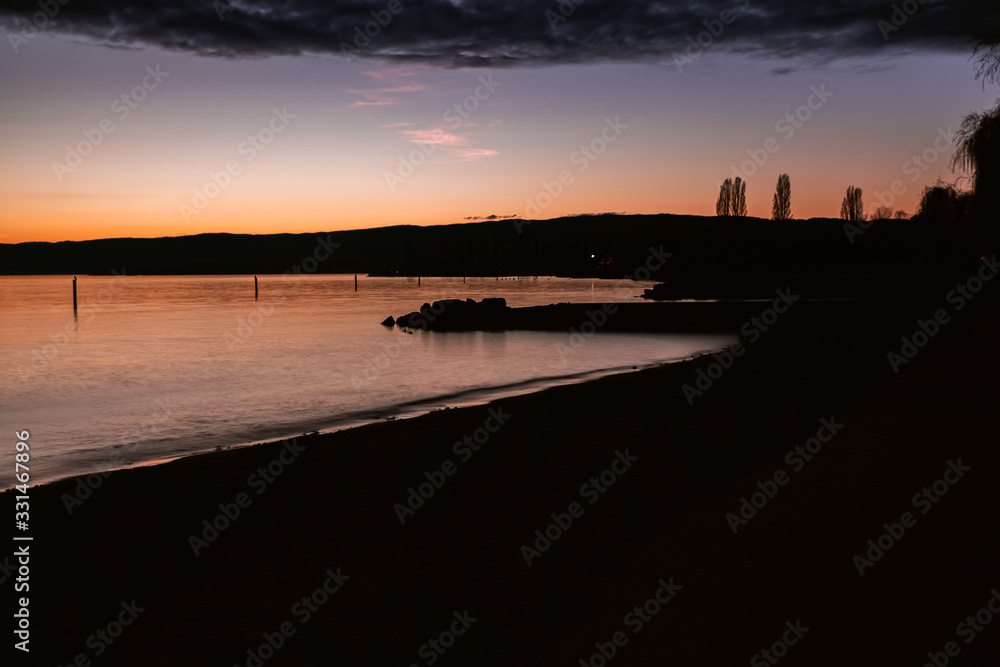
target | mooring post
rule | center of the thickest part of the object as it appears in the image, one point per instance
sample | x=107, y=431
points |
x=355, y=282
x=418, y=281
x=255, y=291
x=74, y=295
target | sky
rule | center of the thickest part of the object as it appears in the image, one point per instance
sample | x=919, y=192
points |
x=160, y=119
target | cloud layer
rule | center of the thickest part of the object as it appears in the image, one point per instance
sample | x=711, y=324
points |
x=462, y=33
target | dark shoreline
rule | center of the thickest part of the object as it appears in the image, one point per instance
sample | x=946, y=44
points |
x=332, y=507
x=410, y=410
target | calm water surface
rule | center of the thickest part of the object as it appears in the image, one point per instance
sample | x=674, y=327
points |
x=157, y=367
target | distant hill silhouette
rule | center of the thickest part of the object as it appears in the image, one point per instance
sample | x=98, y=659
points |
x=704, y=248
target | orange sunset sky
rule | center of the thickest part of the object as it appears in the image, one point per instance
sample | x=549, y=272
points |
x=339, y=154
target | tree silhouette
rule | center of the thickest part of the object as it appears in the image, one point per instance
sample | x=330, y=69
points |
x=722, y=206
x=738, y=202
x=853, y=207
x=781, y=208
x=978, y=152
x=942, y=203
x=988, y=53
x=882, y=213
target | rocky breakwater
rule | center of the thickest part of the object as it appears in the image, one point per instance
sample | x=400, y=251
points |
x=456, y=315
x=495, y=315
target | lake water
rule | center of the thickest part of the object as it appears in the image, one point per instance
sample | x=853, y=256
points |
x=156, y=367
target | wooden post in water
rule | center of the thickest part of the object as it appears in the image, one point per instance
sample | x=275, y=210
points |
x=255, y=292
x=74, y=295
x=355, y=282
x=418, y=281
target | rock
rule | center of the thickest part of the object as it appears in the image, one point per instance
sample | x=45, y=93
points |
x=659, y=292
x=408, y=321
x=389, y=321
x=457, y=315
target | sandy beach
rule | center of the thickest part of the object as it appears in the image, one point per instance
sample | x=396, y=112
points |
x=414, y=541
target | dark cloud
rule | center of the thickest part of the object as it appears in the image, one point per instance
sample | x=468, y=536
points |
x=457, y=33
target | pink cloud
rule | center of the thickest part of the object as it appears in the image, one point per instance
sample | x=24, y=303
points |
x=394, y=73
x=472, y=154
x=445, y=137
x=383, y=96
x=436, y=136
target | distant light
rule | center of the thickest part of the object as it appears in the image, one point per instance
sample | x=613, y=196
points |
x=592, y=257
